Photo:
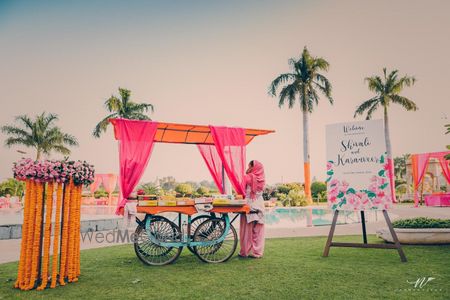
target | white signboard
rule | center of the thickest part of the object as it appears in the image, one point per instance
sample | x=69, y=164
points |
x=357, y=167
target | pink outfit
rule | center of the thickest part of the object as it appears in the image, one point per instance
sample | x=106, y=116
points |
x=251, y=232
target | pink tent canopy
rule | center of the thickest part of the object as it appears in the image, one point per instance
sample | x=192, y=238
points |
x=222, y=148
x=419, y=167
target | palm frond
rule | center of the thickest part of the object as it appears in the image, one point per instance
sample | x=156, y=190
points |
x=60, y=149
x=113, y=104
x=69, y=139
x=25, y=120
x=12, y=141
x=372, y=110
x=365, y=106
x=140, y=107
x=403, y=101
x=282, y=79
x=13, y=130
x=375, y=84
x=320, y=64
x=288, y=93
x=103, y=125
x=398, y=86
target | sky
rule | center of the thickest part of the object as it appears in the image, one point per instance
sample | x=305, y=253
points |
x=211, y=62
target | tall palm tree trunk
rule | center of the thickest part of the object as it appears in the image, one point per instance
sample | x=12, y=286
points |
x=389, y=153
x=306, y=162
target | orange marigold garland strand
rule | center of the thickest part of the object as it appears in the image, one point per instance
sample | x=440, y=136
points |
x=37, y=235
x=77, y=237
x=59, y=196
x=72, y=233
x=26, y=216
x=30, y=235
x=78, y=230
x=64, y=236
x=47, y=235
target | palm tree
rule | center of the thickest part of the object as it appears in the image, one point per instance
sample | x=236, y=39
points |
x=303, y=84
x=387, y=91
x=122, y=108
x=40, y=133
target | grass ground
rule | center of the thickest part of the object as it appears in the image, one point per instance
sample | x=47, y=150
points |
x=291, y=269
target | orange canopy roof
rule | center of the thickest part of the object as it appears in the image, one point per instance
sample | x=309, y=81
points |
x=195, y=134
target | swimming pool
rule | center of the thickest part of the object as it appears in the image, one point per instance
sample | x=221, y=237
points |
x=292, y=217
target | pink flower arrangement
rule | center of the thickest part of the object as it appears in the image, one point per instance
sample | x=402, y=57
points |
x=53, y=170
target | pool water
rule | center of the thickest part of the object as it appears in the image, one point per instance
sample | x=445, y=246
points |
x=292, y=217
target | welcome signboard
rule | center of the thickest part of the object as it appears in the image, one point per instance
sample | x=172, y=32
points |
x=357, y=167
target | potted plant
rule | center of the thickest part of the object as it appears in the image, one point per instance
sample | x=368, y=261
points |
x=419, y=231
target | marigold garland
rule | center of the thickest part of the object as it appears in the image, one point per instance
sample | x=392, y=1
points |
x=64, y=236
x=26, y=215
x=37, y=237
x=43, y=178
x=30, y=235
x=47, y=234
x=59, y=196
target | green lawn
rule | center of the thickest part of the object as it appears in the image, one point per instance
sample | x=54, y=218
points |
x=291, y=269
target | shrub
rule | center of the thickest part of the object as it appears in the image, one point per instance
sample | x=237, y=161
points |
x=322, y=196
x=283, y=189
x=268, y=193
x=422, y=223
x=318, y=187
x=297, y=198
x=100, y=193
x=203, y=190
x=295, y=186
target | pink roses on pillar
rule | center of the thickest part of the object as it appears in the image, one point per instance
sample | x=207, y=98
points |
x=54, y=170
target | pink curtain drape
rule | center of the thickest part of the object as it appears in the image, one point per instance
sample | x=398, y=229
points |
x=214, y=164
x=94, y=186
x=445, y=169
x=136, y=140
x=391, y=179
x=230, y=145
x=109, y=182
x=420, y=162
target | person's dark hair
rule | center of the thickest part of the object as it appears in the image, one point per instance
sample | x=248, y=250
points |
x=252, y=162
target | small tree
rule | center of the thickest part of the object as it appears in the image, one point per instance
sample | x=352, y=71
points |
x=12, y=187
x=318, y=187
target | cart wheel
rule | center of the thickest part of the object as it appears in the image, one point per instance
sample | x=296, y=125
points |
x=194, y=224
x=152, y=254
x=211, y=230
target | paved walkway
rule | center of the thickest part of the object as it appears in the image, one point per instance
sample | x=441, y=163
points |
x=10, y=249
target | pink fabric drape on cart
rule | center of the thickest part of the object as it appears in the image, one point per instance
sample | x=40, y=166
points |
x=230, y=145
x=445, y=169
x=214, y=164
x=419, y=166
x=136, y=140
x=420, y=162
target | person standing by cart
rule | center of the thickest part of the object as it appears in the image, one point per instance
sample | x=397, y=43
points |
x=251, y=231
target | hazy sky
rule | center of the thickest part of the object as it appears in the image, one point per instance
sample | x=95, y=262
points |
x=210, y=62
